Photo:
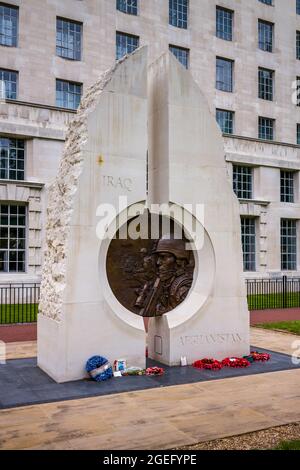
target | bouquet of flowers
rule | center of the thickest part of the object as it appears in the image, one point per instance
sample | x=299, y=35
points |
x=208, y=364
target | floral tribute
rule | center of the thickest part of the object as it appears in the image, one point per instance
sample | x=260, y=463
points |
x=209, y=364
x=155, y=371
x=235, y=362
x=260, y=357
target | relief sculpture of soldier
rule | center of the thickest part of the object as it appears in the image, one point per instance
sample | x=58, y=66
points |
x=168, y=275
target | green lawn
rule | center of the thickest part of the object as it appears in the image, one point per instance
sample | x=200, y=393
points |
x=26, y=313
x=290, y=326
x=261, y=302
x=288, y=445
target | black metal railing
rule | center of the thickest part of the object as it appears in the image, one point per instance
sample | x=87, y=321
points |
x=276, y=293
x=19, y=303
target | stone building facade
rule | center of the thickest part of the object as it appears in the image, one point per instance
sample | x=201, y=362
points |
x=244, y=55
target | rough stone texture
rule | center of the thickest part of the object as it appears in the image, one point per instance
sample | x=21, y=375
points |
x=61, y=202
x=107, y=141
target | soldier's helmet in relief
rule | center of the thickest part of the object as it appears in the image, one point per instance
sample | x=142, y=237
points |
x=175, y=247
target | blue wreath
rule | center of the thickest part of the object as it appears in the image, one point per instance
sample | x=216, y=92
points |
x=94, y=363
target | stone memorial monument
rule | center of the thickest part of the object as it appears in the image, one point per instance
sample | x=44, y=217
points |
x=142, y=139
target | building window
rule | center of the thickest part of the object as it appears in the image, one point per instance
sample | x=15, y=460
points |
x=265, y=36
x=224, y=23
x=224, y=80
x=9, y=17
x=298, y=45
x=243, y=181
x=298, y=90
x=267, y=2
x=68, y=94
x=266, y=128
x=298, y=7
x=128, y=6
x=249, y=243
x=126, y=44
x=12, y=238
x=12, y=159
x=298, y=134
x=288, y=245
x=68, y=39
x=181, y=54
x=225, y=119
x=178, y=13
x=265, y=84
x=287, y=186
x=8, y=84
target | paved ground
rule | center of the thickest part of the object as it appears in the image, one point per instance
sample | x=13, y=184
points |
x=14, y=333
x=270, y=316
x=28, y=332
x=162, y=418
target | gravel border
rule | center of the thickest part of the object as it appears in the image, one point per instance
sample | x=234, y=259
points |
x=259, y=440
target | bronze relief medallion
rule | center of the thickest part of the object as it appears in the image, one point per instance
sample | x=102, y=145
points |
x=150, y=277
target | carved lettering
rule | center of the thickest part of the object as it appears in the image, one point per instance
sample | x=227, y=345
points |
x=222, y=338
x=118, y=182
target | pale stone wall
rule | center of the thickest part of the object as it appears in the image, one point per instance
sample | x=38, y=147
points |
x=44, y=126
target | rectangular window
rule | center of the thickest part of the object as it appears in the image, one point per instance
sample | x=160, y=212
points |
x=287, y=186
x=178, y=13
x=12, y=238
x=181, y=54
x=126, y=44
x=298, y=134
x=8, y=84
x=266, y=128
x=298, y=91
x=265, y=84
x=224, y=81
x=298, y=7
x=224, y=26
x=68, y=39
x=225, y=119
x=128, y=6
x=298, y=45
x=243, y=181
x=249, y=243
x=68, y=94
x=267, y=2
x=288, y=245
x=265, y=35
x=9, y=18
x=12, y=159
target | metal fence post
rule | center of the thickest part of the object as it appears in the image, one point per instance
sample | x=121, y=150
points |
x=284, y=291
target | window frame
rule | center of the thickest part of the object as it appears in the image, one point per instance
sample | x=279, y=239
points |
x=231, y=12
x=69, y=83
x=127, y=35
x=173, y=13
x=249, y=265
x=230, y=89
x=263, y=92
x=9, y=238
x=265, y=48
x=245, y=193
x=273, y=128
x=289, y=264
x=17, y=150
x=17, y=84
x=126, y=10
x=172, y=48
x=12, y=7
x=69, y=22
x=286, y=196
x=228, y=111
